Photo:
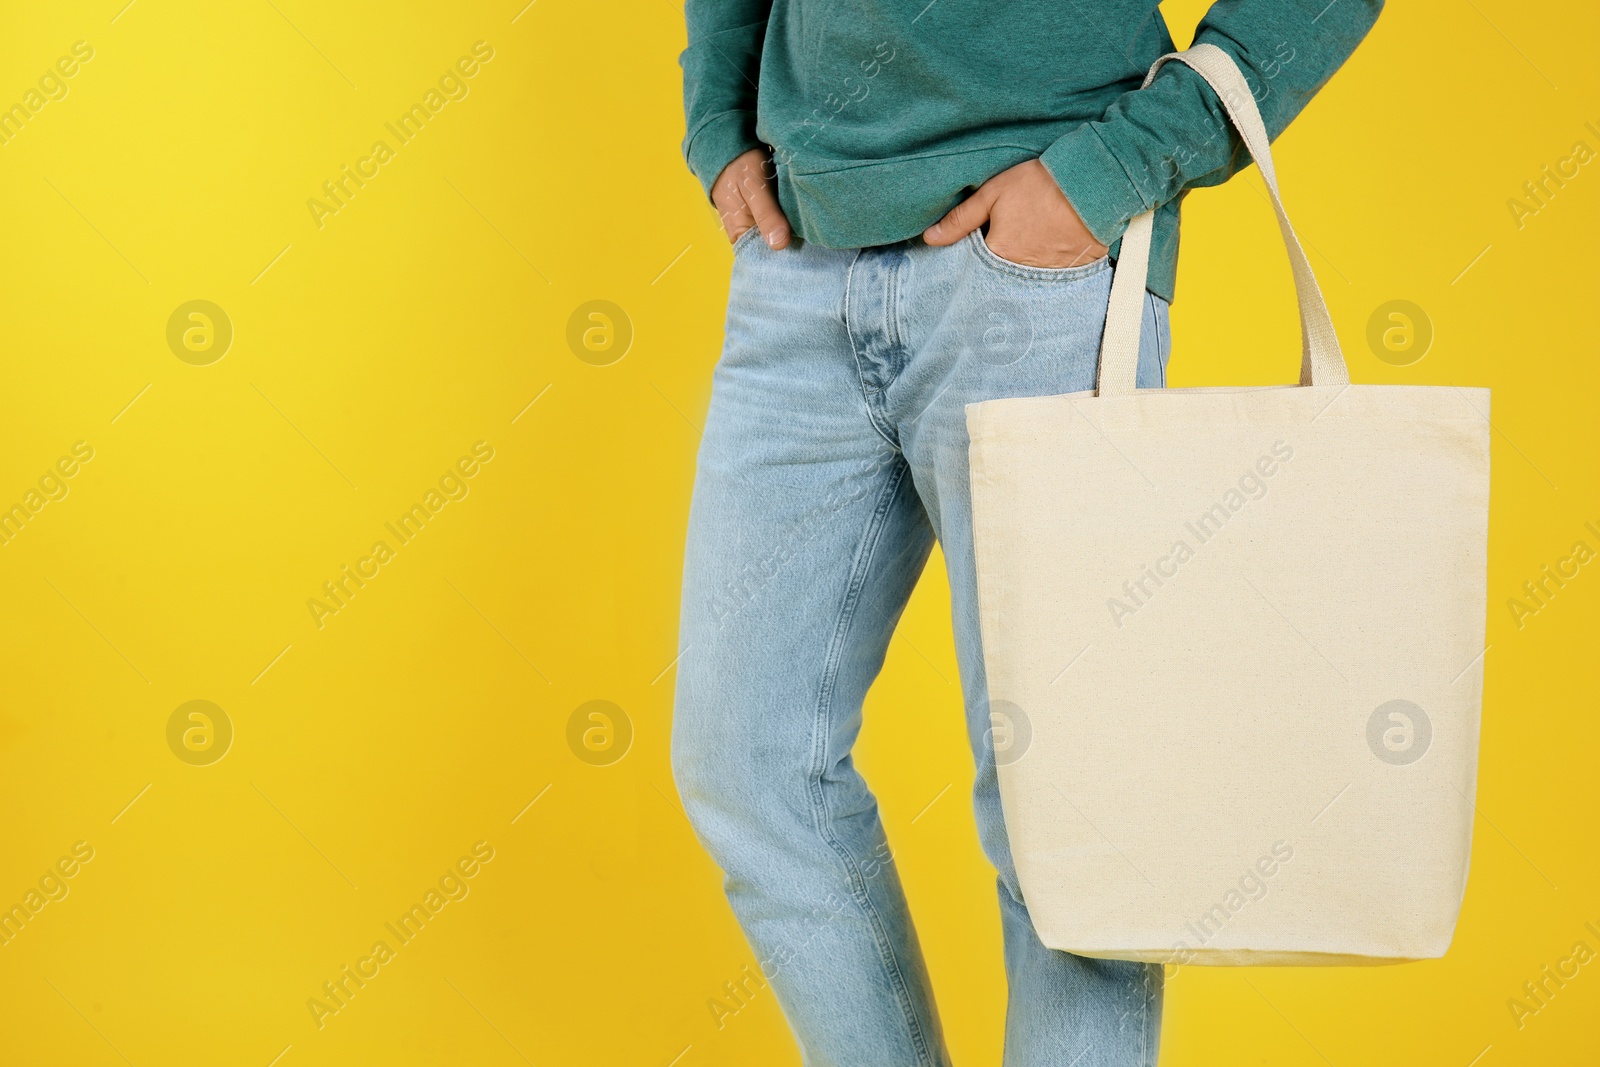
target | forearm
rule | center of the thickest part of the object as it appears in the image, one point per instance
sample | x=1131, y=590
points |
x=1154, y=143
x=720, y=69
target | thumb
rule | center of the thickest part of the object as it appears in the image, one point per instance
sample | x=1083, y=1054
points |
x=962, y=219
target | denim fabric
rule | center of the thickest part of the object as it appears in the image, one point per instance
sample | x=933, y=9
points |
x=835, y=452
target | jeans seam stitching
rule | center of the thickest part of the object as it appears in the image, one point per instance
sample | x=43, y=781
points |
x=1150, y=1019
x=1161, y=341
x=818, y=797
x=855, y=354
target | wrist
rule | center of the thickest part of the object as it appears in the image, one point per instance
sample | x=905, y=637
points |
x=717, y=143
x=1094, y=182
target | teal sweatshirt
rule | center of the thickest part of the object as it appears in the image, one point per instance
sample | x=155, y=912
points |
x=881, y=115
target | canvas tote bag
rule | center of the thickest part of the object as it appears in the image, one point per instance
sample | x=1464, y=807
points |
x=1234, y=640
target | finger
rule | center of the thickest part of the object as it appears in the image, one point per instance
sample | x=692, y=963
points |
x=735, y=221
x=963, y=218
x=731, y=210
x=758, y=196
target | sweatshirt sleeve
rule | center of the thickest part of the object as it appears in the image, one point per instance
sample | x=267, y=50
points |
x=720, y=68
x=1153, y=144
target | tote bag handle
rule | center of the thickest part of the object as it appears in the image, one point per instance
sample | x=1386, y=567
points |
x=1321, y=362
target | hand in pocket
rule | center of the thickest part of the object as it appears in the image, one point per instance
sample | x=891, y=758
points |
x=1030, y=220
x=744, y=197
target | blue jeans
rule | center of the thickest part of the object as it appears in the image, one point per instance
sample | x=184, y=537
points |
x=835, y=452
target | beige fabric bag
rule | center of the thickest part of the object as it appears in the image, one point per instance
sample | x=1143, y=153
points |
x=1234, y=640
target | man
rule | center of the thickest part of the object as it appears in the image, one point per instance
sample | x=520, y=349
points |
x=925, y=200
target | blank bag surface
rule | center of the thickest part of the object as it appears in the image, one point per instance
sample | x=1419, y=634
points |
x=1234, y=641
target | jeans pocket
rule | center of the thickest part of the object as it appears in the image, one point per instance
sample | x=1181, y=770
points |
x=992, y=259
x=744, y=239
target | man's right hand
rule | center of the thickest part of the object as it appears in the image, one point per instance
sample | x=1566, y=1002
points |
x=744, y=198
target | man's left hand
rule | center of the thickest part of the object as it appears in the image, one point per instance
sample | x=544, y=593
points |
x=1030, y=220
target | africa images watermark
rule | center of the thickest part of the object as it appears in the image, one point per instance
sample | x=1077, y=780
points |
x=339, y=991
x=339, y=591
x=337, y=192
x=1252, y=486
x=1537, y=593
x=1537, y=193
x=52, y=86
x=1251, y=886
x=52, y=886
x=742, y=589
x=856, y=88
x=1537, y=993
x=738, y=992
x=52, y=485
x=1171, y=167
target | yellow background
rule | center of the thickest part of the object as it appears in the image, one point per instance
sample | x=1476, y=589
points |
x=424, y=717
